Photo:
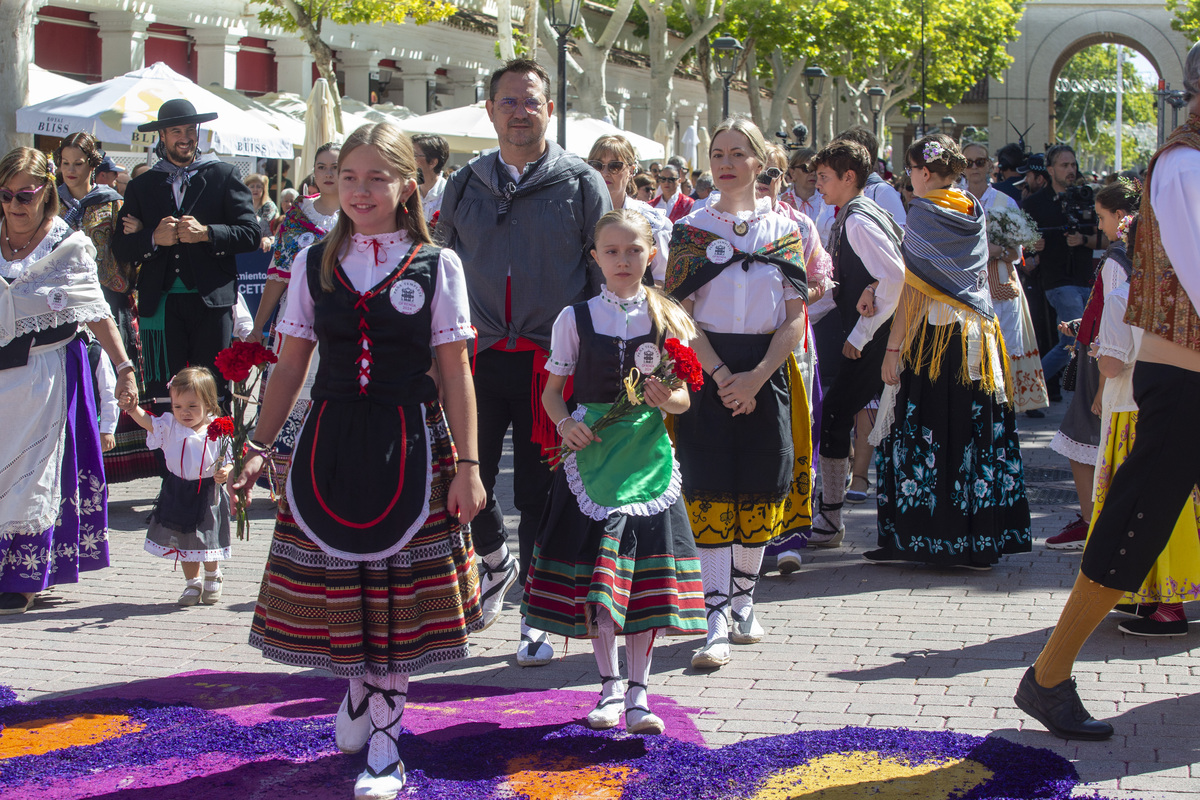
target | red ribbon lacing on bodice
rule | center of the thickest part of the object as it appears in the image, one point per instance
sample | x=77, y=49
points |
x=365, y=360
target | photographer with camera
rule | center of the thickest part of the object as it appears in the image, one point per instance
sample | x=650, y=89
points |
x=1063, y=257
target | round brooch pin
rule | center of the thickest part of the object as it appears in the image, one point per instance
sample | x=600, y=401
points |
x=719, y=252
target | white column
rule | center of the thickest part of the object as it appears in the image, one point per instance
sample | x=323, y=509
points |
x=294, y=62
x=416, y=77
x=466, y=85
x=122, y=42
x=358, y=65
x=216, y=55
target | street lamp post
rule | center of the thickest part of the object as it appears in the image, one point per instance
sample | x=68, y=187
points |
x=564, y=16
x=814, y=78
x=878, y=97
x=912, y=111
x=948, y=125
x=728, y=51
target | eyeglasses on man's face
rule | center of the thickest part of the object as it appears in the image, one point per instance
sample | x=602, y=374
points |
x=978, y=162
x=509, y=105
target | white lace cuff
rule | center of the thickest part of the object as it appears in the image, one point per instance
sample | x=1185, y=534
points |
x=457, y=333
x=90, y=312
x=289, y=328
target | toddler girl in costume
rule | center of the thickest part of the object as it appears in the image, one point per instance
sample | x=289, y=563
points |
x=615, y=553
x=190, y=519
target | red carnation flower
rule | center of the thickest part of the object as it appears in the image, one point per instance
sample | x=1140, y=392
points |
x=236, y=361
x=221, y=426
x=687, y=366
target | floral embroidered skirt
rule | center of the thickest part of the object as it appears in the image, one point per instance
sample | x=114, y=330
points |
x=395, y=615
x=77, y=541
x=1175, y=576
x=951, y=483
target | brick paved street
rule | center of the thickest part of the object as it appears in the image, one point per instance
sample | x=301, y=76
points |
x=848, y=643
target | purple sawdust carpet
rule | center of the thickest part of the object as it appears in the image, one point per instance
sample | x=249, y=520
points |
x=251, y=736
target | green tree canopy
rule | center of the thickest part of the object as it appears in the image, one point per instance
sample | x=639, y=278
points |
x=1086, y=107
x=1187, y=17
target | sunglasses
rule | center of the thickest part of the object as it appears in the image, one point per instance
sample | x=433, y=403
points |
x=508, y=105
x=769, y=174
x=978, y=162
x=24, y=197
x=803, y=168
x=668, y=180
x=908, y=171
x=610, y=166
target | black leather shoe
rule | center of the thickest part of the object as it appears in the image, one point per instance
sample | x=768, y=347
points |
x=1060, y=709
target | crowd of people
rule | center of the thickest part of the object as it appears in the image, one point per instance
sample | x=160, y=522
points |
x=828, y=317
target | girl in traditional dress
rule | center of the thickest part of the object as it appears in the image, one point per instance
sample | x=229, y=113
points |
x=615, y=553
x=951, y=484
x=1008, y=299
x=54, y=503
x=1175, y=577
x=190, y=519
x=738, y=267
x=371, y=571
x=304, y=224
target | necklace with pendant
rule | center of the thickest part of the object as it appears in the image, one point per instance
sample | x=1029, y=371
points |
x=740, y=226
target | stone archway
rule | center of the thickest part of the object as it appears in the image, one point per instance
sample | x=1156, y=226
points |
x=1051, y=33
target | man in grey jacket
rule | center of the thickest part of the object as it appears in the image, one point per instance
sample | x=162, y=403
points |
x=521, y=219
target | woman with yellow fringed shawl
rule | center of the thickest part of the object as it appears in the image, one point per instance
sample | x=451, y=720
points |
x=951, y=487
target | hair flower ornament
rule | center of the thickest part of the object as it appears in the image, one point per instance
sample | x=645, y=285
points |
x=933, y=151
x=1124, y=225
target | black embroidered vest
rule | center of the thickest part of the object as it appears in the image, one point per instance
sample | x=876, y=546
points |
x=382, y=334
x=603, y=360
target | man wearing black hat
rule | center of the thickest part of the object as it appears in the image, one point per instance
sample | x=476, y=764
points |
x=184, y=220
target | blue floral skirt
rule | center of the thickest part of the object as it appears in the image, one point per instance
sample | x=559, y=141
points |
x=951, y=483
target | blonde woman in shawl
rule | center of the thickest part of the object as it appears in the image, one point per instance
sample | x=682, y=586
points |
x=951, y=486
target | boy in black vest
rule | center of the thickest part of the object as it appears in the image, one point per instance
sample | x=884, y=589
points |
x=869, y=270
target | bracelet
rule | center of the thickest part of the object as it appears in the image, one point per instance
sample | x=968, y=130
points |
x=871, y=289
x=717, y=367
x=558, y=425
x=466, y=461
x=258, y=448
x=893, y=349
x=126, y=364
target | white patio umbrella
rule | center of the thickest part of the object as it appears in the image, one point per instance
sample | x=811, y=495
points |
x=319, y=125
x=296, y=106
x=583, y=131
x=393, y=114
x=687, y=145
x=46, y=85
x=290, y=127
x=662, y=135
x=112, y=110
x=703, y=142
x=465, y=129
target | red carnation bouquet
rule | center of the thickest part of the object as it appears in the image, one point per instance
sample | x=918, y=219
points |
x=237, y=363
x=678, y=366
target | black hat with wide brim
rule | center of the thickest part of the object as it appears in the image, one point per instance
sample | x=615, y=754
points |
x=176, y=112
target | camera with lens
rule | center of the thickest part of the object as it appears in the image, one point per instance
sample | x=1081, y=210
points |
x=1079, y=207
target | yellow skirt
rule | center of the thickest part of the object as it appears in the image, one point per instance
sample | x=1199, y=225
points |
x=1175, y=577
x=756, y=524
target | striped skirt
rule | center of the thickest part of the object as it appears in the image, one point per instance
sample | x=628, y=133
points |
x=644, y=570
x=358, y=618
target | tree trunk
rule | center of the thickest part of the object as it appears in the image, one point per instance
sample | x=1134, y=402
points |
x=309, y=30
x=504, y=30
x=16, y=54
x=532, y=16
x=753, y=89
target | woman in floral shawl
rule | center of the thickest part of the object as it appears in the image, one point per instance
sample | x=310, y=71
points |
x=951, y=488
